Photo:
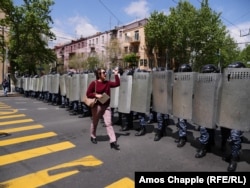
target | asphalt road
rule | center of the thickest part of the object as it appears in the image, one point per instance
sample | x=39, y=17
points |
x=48, y=148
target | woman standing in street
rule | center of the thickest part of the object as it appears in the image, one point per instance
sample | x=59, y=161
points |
x=99, y=89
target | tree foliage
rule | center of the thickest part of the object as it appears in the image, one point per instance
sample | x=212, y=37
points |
x=189, y=35
x=29, y=32
x=131, y=58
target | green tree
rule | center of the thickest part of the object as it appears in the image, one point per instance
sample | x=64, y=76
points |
x=93, y=62
x=29, y=27
x=113, y=48
x=131, y=58
x=156, y=38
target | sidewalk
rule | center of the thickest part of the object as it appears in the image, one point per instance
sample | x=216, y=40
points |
x=10, y=94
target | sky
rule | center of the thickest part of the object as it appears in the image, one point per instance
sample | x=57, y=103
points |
x=81, y=18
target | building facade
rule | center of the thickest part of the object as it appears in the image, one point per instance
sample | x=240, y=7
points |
x=109, y=46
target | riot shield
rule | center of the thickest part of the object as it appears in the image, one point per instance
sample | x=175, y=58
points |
x=114, y=92
x=83, y=86
x=26, y=84
x=49, y=79
x=141, y=92
x=67, y=82
x=62, y=84
x=74, y=88
x=31, y=84
x=205, y=100
x=18, y=83
x=183, y=94
x=40, y=84
x=234, y=100
x=91, y=77
x=45, y=83
x=125, y=93
x=55, y=84
x=162, y=90
x=35, y=84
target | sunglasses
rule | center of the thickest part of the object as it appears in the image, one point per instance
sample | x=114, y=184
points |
x=103, y=72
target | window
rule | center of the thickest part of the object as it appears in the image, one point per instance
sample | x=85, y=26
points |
x=102, y=39
x=137, y=37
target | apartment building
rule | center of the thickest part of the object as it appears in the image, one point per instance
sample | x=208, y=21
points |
x=109, y=46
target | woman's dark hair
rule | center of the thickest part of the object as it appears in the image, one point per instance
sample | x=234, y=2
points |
x=98, y=72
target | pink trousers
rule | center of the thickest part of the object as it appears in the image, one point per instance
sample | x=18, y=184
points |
x=97, y=112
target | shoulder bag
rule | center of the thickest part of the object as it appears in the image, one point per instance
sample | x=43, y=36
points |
x=90, y=102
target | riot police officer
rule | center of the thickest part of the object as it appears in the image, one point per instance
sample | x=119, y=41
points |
x=182, y=123
x=206, y=138
x=235, y=137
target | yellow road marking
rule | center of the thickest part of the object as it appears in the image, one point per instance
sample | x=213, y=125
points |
x=26, y=138
x=16, y=121
x=28, y=154
x=4, y=106
x=122, y=183
x=12, y=116
x=25, y=128
x=45, y=176
x=12, y=111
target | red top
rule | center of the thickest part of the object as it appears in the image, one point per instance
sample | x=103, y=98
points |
x=102, y=87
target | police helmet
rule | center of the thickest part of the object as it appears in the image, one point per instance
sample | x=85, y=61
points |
x=209, y=68
x=236, y=65
x=185, y=68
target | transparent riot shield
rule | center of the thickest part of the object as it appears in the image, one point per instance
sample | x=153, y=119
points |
x=141, y=92
x=162, y=90
x=40, y=84
x=183, y=94
x=31, y=84
x=125, y=94
x=49, y=83
x=55, y=84
x=205, y=100
x=62, y=84
x=75, y=88
x=45, y=83
x=114, y=92
x=18, y=83
x=83, y=86
x=234, y=100
x=67, y=82
x=22, y=83
x=91, y=77
x=35, y=86
x=25, y=84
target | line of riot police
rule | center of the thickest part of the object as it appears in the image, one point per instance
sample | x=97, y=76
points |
x=208, y=99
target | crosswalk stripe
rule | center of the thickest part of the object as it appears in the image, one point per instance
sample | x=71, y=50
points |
x=122, y=183
x=4, y=106
x=12, y=116
x=16, y=121
x=46, y=176
x=26, y=138
x=24, y=128
x=11, y=111
x=28, y=154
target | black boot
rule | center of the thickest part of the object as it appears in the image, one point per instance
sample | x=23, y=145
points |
x=158, y=135
x=114, y=145
x=182, y=142
x=233, y=164
x=141, y=132
x=126, y=128
x=202, y=151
